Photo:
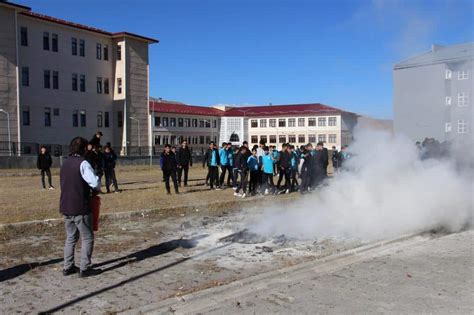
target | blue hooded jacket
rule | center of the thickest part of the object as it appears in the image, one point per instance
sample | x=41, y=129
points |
x=252, y=163
x=223, y=157
x=267, y=162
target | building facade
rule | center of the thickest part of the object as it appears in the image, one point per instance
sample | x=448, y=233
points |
x=59, y=80
x=432, y=94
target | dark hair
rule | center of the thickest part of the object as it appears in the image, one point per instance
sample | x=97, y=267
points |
x=254, y=150
x=224, y=144
x=265, y=148
x=78, y=146
x=320, y=143
x=167, y=146
x=262, y=142
x=43, y=146
x=99, y=133
x=245, y=143
x=173, y=147
x=184, y=141
x=212, y=142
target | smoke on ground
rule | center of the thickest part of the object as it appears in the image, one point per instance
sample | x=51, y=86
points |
x=386, y=191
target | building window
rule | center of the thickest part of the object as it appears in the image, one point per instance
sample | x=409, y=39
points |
x=194, y=123
x=281, y=139
x=201, y=123
x=448, y=100
x=54, y=42
x=100, y=118
x=106, y=120
x=165, y=121
x=75, y=118
x=98, y=51
x=312, y=138
x=447, y=127
x=273, y=139
x=282, y=122
x=106, y=52
x=201, y=139
x=106, y=86
x=83, y=118
x=157, y=121
x=463, y=99
x=292, y=122
x=157, y=139
x=74, y=46
x=25, y=76
x=312, y=122
x=321, y=138
x=45, y=41
x=47, y=79
x=301, y=139
x=462, y=126
x=120, y=119
x=24, y=36
x=82, y=83
x=254, y=123
x=301, y=122
x=119, y=52
x=322, y=121
x=180, y=122
x=448, y=75
x=208, y=123
x=332, y=138
x=172, y=122
x=47, y=116
x=55, y=80
x=74, y=81
x=332, y=121
x=82, y=48
x=263, y=123
x=119, y=85
x=292, y=138
x=187, y=122
x=463, y=75
x=272, y=123
x=55, y=111
x=26, y=116
x=99, y=85
x=254, y=139
x=263, y=139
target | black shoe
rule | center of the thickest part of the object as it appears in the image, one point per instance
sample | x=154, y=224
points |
x=168, y=193
x=70, y=271
x=89, y=272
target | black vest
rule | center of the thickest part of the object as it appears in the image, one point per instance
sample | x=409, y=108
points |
x=75, y=192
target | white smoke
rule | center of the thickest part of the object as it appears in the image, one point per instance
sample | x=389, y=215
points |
x=387, y=191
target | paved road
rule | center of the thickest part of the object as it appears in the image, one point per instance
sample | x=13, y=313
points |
x=417, y=276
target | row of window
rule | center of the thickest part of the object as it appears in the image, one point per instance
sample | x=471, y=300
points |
x=184, y=122
x=462, y=126
x=463, y=99
x=291, y=122
x=176, y=140
x=51, y=42
x=462, y=74
x=331, y=138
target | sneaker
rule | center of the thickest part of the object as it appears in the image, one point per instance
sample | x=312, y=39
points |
x=70, y=271
x=287, y=191
x=236, y=194
x=243, y=195
x=218, y=188
x=234, y=188
x=89, y=272
x=51, y=188
x=266, y=192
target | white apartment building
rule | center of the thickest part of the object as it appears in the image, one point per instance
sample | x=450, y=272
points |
x=59, y=80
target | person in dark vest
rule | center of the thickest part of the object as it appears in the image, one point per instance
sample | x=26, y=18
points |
x=169, y=167
x=78, y=184
x=185, y=160
x=44, y=163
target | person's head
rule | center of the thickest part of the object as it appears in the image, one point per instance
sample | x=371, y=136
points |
x=284, y=146
x=262, y=143
x=107, y=149
x=211, y=145
x=255, y=147
x=266, y=150
x=43, y=149
x=89, y=147
x=98, y=134
x=245, y=144
x=254, y=152
x=320, y=145
x=244, y=149
x=309, y=146
x=224, y=144
x=78, y=146
x=167, y=148
x=99, y=148
x=292, y=147
x=184, y=144
x=334, y=148
x=229, y=145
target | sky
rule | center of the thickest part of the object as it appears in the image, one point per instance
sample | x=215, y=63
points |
x=255, y=52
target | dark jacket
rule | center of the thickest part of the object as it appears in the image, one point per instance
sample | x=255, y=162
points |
x=168, y=162
x=184, y=158
x=96, y=160
x=44, y=161
x=94, y=141
x=75, y=192
x=110, y=160
x=241, y=163
x=285, y=159
x=208, y=157
x=322, y=159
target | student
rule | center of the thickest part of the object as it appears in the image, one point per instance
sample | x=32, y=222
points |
x=284, y=169
x=225, y=166
x=321, y=163
x=235, y=154
x=185, y=161
x=336, y=159
x=267, y=176
x=242, y=172
x=253, y=163
x=95, y=140
x=294, y=161
x=211, y=158
x=78, y=184
x=305, y=170
x=276, y=157
x=169, y=167
x=44, y=162
x=110, y=159
x=230, y=158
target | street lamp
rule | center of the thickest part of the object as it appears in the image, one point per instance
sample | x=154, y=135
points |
x=9, y=131
x=138, y=126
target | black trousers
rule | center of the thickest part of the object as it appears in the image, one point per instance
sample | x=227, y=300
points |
x=267, y=181
x=230, y=176
x=243, y=181
x=184, y=168
x=255, y=176
x=167, y=174
x=110, y=179
x=286, y=173
x=48, y=173
x=213, y=176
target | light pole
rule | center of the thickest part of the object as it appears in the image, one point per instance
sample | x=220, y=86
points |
x=9, y=131
x=138, y=126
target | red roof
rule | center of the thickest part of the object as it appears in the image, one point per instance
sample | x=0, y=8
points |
x=180, y=108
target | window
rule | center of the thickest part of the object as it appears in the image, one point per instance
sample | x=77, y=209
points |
x=281, y=139
x=24, y=36
x=462, y=126
x=194, y=123
x=448, y=75
x=273, y=123
x=165, y=121
x=332, y=138
x=25, y=76
x=254, y=139
x=106, y=120
x=254, y=123
x=263, y=139
x=55, y=111
x=75, y=118
x=120, y=119
x=74, y=46
x=106, y=52
x=301, y=139
x=172, y=122
x=208, y=123
x=187, y=122
x=98, y=51
x=55, y=80
x=214, y=123
x=45, y=41
x=273, y=139
x=119, y=52
x=47, y=116
x=106, y=86
x=447, y=127
x=26, y=116
x=463, y=75
x=448, y=100
x=332, y=121
x=99, y=85
x=180, y=122
x=157, y=121
x=201, y=139
x=54, y=42
x=463, y=99
x=74, y=81
x=119, y=85
x=83, y=118
x=322, y=121
x=201, y=123
x=282, y=122
x=100, y=119
x=292, y=138
x=47, y=79
x=301, y=122
x=292, y=122
x=263, y=123
x=312, y=122
x=82, y=48
x=312, y=138
x=321, y=138
x=157, y=139
x=82, y=83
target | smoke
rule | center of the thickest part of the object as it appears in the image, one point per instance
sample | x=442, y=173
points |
x=386, y=191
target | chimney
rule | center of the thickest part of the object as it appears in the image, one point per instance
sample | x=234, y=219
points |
x=435, y=47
